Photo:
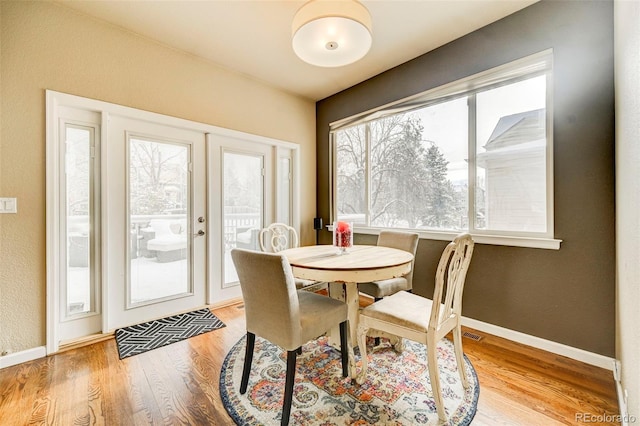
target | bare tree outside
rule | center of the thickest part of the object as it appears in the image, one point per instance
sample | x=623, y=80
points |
x=158, y=176
x=408, y=182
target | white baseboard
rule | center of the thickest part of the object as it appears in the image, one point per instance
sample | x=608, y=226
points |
x=622, y=397
x=23, y=356
x=546, y=345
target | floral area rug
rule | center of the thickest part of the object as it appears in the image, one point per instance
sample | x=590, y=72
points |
x=397, y=390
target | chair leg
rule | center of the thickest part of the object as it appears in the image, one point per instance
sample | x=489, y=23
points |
x=434, y=377
x=288, y=386
x=457, y=345
x=362, y=343
x=248, y=358
x=344, y=350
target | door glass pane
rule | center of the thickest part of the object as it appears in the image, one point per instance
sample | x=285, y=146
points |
x=80, y=240
x=243, y=207
x=511, y=168
x=159, y=208
x=284, y=190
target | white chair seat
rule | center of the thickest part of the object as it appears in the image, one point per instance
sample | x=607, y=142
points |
x=411, y=316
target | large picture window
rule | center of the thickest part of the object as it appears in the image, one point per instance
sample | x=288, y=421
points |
x=474, y=155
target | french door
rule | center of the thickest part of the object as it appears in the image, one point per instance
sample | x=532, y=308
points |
x=156, y=211
x=143, y=210
x=127, y=221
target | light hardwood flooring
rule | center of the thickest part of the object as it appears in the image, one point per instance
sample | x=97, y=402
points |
x=178, y=384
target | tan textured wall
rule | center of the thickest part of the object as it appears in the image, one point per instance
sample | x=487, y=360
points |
x=627, y=53
x=47, y=46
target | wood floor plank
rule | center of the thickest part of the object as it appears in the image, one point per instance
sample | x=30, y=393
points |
x=111, y=391
x=495, y=409
x=179, y=384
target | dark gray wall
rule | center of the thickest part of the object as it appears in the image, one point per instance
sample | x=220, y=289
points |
x=567, y=295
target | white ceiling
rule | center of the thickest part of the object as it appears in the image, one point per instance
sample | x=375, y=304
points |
x=253, y=37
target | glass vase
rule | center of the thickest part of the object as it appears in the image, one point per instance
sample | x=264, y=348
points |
x=342, y=236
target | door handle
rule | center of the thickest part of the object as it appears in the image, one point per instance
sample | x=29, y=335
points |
x=200, y=233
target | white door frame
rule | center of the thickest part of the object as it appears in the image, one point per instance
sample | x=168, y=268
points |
x=54, y=102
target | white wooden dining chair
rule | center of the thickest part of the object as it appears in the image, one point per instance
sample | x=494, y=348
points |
x=280, y=236
x=417, y=318
x=277, y=237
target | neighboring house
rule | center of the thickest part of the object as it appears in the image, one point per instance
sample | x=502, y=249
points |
x=514, y=165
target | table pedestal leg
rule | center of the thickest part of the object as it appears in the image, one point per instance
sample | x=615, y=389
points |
x=348, y=293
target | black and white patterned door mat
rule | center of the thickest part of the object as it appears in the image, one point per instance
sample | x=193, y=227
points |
x=136, y=339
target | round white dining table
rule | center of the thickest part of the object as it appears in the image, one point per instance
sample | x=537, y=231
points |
x=343, y=272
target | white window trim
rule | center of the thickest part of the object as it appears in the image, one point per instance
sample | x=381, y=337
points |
x=541, y=63
x=497, y=240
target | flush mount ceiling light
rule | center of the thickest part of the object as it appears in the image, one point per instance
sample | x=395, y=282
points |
x=331, y=33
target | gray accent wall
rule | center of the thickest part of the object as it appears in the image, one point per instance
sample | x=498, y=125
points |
x=567, y=295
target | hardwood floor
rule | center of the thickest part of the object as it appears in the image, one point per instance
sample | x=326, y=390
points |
x=178, y=384
x=521, y=385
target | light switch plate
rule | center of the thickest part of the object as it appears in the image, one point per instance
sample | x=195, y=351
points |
x=8, y=205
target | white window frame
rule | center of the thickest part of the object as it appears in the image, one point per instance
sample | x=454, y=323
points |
x=534, y=65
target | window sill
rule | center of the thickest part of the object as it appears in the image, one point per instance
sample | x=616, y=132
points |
x=497, y=240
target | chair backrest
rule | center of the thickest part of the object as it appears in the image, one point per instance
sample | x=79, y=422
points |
x=271, y=303
x=277, y=237
x=450, y=278
x=407, y=241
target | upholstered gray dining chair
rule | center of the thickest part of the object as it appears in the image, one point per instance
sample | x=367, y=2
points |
x=423, y=320
x=286, y=317
x=280, y=236
x=407, y=241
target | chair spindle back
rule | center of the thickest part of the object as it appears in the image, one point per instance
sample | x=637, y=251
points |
x=450, y=280
x=277, y=237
